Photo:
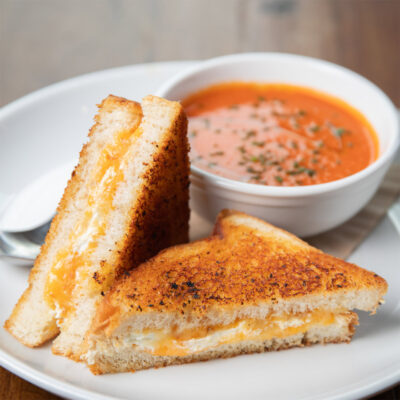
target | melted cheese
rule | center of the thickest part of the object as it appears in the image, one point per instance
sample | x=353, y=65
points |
x=172, y=343
x=71, y=263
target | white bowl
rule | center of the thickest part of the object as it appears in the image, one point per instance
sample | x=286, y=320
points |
x=305, y=210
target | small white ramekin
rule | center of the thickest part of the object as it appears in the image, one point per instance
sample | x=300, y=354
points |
x=305, y=210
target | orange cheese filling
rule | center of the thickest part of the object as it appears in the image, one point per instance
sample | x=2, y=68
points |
x=174, y=343
x=75, y=257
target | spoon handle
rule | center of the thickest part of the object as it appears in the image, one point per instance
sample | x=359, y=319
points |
x=16, y=249
x=394, y=214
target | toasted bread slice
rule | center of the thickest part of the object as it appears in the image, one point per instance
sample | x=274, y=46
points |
x=127, y=199
x=250, y=287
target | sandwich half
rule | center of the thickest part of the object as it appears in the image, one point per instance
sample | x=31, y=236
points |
x=250, y=287
x=126, y=200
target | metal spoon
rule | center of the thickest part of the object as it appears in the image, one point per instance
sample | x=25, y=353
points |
x=22, y=247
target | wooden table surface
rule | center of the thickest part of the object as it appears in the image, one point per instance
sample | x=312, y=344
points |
x=45, y=41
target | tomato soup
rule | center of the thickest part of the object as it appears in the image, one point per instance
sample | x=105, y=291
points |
x=276, y=134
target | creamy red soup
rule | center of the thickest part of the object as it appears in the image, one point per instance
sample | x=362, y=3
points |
x=276, y=134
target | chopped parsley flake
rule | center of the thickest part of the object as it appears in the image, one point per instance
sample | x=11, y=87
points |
x=253, y=171
x=301, y=170
x=278, y=178
x=310, y=172
x=315, y=128
x=250, y=134
x=339, y=132
x=262, y=159
x=296, y=171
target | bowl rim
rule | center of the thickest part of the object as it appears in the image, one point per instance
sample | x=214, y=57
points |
x=288, y=191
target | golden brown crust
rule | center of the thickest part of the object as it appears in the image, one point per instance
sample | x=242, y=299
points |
x=160, y=217
x=235, y=266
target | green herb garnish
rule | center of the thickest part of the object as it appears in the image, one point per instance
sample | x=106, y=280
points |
x=278, y=178
x=262, y=159
x=250, y=134
x=310, y=172
x=315, y=128
x=339, y=132
x=217, y=153
x=296, y=171
x=253, y=171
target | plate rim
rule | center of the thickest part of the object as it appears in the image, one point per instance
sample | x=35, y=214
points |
x=73, y=391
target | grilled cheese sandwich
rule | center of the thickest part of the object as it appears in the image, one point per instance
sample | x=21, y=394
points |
x=126, y=200
x=250, y=287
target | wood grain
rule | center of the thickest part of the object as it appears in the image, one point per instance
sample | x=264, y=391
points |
x=44, y=41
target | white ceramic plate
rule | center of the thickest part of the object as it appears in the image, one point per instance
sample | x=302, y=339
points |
x=44, y=131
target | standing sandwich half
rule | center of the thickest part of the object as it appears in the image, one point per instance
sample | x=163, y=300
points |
x=126, y=200
x=250, y=287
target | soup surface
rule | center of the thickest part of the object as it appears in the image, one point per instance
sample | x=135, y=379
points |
x=276, y=134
